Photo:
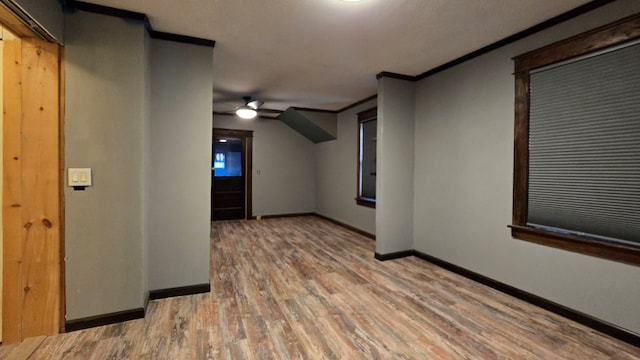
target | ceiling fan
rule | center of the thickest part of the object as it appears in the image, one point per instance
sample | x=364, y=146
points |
x=252, y=108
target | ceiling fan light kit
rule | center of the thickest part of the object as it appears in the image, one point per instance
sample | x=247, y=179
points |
x=246, y=112
x=250, y=109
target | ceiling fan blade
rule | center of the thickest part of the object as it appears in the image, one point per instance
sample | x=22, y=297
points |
x=270, y=111
x=224, y=106
x=254, y=104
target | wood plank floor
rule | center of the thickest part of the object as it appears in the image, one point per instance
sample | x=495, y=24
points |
x=304, y=288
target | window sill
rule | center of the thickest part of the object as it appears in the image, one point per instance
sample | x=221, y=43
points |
x=366, y=202
x=607, y=250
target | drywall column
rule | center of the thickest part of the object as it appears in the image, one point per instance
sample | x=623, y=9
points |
x=104, y=129
x=395, y=154
x=180, y=179
x=146, y=165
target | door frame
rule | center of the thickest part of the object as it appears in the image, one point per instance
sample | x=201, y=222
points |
x=247, y=140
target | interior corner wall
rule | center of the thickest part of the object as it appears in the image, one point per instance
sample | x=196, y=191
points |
x=180, y=178
x=395, y=160
x=146, y=165
x=48, y=13
x=284, y=180
x=463, y=184
x=337, y=174
x=104, y=130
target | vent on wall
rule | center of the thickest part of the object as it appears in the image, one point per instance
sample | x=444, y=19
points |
x=317, y=126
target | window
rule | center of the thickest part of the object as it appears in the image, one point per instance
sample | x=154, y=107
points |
x=219, y=161
x=577, y=143
x=227, y=161
x=367, y=129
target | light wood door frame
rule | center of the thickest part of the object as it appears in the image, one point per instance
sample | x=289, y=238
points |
x=247, y=136
x=1, y=220
x=33, y=277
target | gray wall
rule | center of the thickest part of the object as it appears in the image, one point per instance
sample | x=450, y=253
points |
x=104, y=127
x=284, y=178
x=463, y=184
x=48, y=13
x=138, y=112
x=395, y=183
x=336, y=174
x=180, y=181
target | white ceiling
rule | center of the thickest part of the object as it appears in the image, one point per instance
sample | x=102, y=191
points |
x=324, y=54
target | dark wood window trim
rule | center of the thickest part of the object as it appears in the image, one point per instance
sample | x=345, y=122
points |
x=364, y=202
x=606, y=36
x=364, y=116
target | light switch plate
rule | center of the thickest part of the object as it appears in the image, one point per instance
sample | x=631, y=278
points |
x=79, y=177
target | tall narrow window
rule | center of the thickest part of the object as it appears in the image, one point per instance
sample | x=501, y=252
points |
x=367, y=137
x=577, y=143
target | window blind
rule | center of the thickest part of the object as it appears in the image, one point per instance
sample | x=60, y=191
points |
x=584, y=146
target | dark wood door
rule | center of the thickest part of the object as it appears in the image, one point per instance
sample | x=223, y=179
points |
x=228, y=178
x=228, y=198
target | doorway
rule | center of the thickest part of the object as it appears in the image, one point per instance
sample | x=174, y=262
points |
x=231, y=174
x=32, y=211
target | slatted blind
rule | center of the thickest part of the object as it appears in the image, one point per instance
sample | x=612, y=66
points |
x=584, y=146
